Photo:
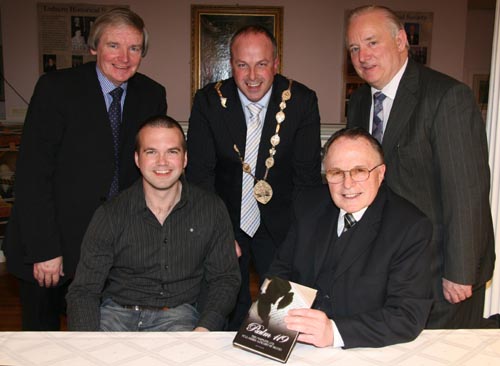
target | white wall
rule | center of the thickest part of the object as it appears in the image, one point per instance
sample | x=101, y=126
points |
x=312, y=45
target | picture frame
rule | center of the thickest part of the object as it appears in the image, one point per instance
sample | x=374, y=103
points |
x=212, y=27
x=480, y=88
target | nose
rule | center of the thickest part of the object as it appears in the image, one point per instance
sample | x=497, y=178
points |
x=162, y=159
x=123, y=54
x=348, y=182
x=363, y=54
x=251, y=73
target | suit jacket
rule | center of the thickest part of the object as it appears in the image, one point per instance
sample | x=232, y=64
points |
x=437, y=158
x=380, y=287
x=66, y=163
x=214, y=165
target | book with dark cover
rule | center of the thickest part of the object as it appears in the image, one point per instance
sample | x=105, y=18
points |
x=264, y=330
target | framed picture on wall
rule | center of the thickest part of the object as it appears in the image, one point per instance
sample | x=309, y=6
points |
x=212, y=28
x=480, y=87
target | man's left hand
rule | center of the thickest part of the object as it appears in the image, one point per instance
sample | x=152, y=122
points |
x=314, y=326
x=200, y=329
x=455, y=292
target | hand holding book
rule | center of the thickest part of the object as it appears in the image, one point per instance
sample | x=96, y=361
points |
x=313, y=325
x=265, y=330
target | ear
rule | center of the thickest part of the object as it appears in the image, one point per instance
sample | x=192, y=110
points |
x=382, y=173
x=93, y=52
x=401, y=40
x=276, y=63
x=136, y=158
x=185, y=159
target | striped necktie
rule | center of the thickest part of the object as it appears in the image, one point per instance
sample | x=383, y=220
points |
x=349, y=221
x=115, y=119
x=378, y=116
x=250, y=215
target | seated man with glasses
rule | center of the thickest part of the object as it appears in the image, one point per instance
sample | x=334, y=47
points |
x=363, y=247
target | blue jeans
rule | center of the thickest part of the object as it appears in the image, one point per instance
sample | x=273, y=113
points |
x=116, y=318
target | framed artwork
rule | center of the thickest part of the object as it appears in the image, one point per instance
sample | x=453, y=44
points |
x=418, y=28
x=480, y=87
x=211, y=31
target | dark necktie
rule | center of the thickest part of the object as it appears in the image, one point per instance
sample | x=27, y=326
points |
x=378, y=116
x=115, y=119
x=349, y=222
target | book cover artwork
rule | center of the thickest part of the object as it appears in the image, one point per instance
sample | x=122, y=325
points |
x=264, y=330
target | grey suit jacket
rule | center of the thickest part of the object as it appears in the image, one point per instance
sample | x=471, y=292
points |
x=436, y=155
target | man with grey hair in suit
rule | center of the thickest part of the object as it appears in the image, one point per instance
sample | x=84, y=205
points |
x=77, y=151
x=436, y=154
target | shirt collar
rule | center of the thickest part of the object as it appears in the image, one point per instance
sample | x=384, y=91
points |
x=263, y=102
x=392, y=87
x=138, y=200
x=358, y=215
x=106, y=85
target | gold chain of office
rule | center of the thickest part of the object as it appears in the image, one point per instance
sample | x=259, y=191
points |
x=262, y=191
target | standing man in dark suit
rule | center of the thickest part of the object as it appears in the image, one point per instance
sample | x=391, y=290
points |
x=364, y=248
x=436, y=153
x=255, y=140
x=73, y=156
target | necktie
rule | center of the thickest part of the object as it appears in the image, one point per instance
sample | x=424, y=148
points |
x=349, y=222
x=250, y=215
x=115, y=118
x=378, y=116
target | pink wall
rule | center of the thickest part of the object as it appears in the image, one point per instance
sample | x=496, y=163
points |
x=312, y=48
x=478, y=44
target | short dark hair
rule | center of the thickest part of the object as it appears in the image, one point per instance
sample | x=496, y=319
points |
x=164, y=122
x=117, y=17
x=254, y=29
x=353, y=134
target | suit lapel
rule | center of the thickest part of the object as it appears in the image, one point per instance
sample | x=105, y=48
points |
x=403, y=106
x=269, y=127
x=325, y=236
x=94, y=96
x=233, y=116
x=366, y=103
x=365, y=232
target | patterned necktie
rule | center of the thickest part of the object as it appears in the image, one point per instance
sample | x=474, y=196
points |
x=349, y=222
x=250, y=215
x=378, y=116
x=115, y=118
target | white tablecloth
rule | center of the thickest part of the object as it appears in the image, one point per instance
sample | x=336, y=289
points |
x=432, y=347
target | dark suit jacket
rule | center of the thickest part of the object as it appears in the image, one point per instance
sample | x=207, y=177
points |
x=213, y=163
x=437, y=158
x=381, y=284
x=66, y=163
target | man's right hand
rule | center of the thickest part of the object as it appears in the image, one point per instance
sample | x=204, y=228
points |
x=48, y=273
x=237, y=248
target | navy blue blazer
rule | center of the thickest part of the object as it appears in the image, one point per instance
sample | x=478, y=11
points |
x=214, y=165
x=66, y=163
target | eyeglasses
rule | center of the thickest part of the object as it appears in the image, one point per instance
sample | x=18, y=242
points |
x=358, y=174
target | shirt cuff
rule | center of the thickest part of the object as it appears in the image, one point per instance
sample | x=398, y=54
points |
x=338, y=342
